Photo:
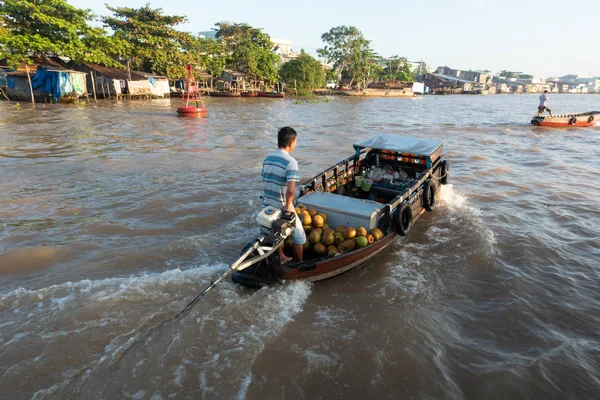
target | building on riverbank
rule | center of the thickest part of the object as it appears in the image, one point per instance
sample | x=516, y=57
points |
x=52, y=80
x=49, y=85
x=446, y=80
x=122, y=83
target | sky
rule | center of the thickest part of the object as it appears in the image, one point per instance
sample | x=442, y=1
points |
x=543, y=38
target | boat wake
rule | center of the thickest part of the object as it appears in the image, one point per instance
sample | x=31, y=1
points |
x=455, y=235
x=60, y=336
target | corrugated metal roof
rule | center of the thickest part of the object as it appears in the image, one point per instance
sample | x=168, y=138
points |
x=117, y=73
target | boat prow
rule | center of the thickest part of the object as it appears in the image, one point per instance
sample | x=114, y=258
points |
x=582, y=119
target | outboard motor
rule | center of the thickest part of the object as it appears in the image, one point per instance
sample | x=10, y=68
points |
x=275, y=224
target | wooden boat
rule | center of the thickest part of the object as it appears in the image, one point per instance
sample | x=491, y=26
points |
x=225, y=94
x=249, y=94
x=191, y=104
x=565, y=120
x=277, y=95
x=390, y=206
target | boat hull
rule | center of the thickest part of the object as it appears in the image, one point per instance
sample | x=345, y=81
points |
x=249, y=94
x=275, y=95
x=225, y=94
x=567, y=120
x=310, y=271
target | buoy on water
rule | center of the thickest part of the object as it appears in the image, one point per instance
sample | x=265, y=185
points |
x=191, y=104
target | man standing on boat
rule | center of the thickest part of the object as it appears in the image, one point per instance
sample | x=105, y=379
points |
x=543, y=103
x=280, y=174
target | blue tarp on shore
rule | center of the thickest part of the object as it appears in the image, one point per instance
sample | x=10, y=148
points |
x=55, y=83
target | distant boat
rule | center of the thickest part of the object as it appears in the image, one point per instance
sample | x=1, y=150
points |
x=278, y=95
x=225, y=94
x=565, y=120
x=249, y=94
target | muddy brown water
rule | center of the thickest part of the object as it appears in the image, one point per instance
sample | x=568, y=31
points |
x=113, y=216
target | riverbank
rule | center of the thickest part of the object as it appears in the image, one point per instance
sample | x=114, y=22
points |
x=366, y=92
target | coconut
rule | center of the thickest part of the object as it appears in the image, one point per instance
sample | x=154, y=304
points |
x=347, y=245
x=315, y=236
x=328, y=238
x=332, y=250
x=323, y=215
x=350, y=233
x=307, y=228
x=338, y=238
x=306, y=219
x=318, y=221
x=370, y=238
x=320, y=248
x=340, y=229
x=360, y=231
x=312, y=212
x=377, y=234
x=361, y=241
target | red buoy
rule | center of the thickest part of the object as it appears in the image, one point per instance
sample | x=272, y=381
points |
x=191, y=104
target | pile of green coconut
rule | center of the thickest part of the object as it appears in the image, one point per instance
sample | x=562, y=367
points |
x=324, y=240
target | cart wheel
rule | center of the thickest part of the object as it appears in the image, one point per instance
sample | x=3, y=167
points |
x=429, y=196
x=445, y=171
x=403, y=220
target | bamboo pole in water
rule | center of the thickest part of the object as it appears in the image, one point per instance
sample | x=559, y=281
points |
x=103, y=94
x=30, y=86
x=93, y=85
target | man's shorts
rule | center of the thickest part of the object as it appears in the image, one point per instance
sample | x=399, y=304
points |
x=541, y=109
x=298, y=234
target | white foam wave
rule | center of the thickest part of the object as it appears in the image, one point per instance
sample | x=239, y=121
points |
x=147, y=285
x=459, y=205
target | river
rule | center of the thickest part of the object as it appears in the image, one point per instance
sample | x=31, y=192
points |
x=114, y=216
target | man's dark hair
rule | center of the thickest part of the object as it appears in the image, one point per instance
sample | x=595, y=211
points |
x=285, y=137
x=545, y=91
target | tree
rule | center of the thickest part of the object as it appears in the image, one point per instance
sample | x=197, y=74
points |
x=155, y=45
x=507, y=74
x=525, y=76
x=52, y=27
x=305, y=71
x=350, y=53
x=250, y=50
x=398, y=69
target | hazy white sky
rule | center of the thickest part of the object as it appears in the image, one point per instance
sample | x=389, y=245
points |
x=542, y=37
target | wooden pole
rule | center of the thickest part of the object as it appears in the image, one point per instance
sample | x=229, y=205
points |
x=93, y=85
x=103, y=93
x=30, y=86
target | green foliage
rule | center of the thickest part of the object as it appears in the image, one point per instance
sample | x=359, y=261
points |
x=507, y=74
x=525, y=76
x=249, y=50
x=154, y=43
x=330, y=75
x=397, y=69
x=305, y=71
x=51, y=27
x=350, y=53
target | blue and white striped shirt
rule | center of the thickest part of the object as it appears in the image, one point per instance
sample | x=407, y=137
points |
x=279, y=168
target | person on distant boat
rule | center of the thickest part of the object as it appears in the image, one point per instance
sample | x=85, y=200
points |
x=544, y=103
x=280, y=174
